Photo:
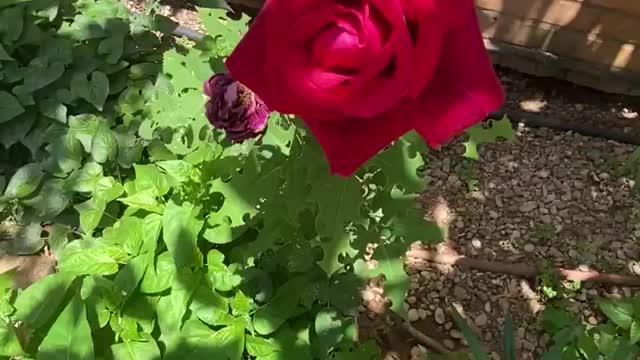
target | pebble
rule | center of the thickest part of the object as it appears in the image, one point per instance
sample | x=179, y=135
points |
x=592, y=320
x=460, y=292
x=529, y=248
x=413, y=315
x=448, y=343
x=456, y=334
x=476, y=243
x=438, y=316
x=422, y=313
x=481, y=320
x=528, y=206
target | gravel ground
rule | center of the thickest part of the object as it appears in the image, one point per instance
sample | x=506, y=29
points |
x=548, y=198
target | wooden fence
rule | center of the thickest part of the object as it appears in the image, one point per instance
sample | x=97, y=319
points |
x=595, y=43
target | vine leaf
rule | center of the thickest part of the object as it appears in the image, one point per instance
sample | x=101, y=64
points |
x=339, y=201
x=180, y=229
x=70, y=336
x=38, y=303
x=9, y=107
x=479, y=135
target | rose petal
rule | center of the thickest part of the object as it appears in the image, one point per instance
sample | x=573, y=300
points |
x=350, y=143
x=464, y=89
x=428, y=22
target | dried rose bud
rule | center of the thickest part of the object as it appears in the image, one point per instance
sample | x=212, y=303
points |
x=234, y=108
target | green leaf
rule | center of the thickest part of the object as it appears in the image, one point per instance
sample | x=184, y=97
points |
x=474, y=343
x=396, y=279
x=621, y=313
x=92, y=261
x=172, y=308
x=160, y=279
x=149, y=177
x=196, y=341
x=70, y=336
x=634, y=332
x=508, y=339
x=129, y=276
x=11, y=21
x=36, y=77
x=227, y=32
x=587, y=347
x=368, y=350
x=51, y=200
x=29, y=240
x=136, y=350
x=95, y=90
x=24, y=182
x=181, y=226
x=104, y=145
x=4, y=55
x=54, y=109
x=400, y=163
x=9, y=343
x=223, y=278
x=339, y=201
x=90, y=215
x=208, y=306
x=329, y=330
x=85, y=180
x=231, y=339
x=294, y=343
x=283, y=306
x=479, y=135
x=16, y=129
x=38, y=303
x=9, y=107
x=259, y=346
x=241, y=304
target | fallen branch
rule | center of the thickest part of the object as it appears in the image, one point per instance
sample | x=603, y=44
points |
x=449, y=257
x=417, y=334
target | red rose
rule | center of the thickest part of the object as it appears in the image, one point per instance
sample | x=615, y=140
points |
x=362, y=73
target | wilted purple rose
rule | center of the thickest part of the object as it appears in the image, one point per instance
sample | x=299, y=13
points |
x=234, y=108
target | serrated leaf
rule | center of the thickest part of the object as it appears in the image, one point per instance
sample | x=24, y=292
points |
x=396, y=279
x=329, y=330
x=282, y=306
x=24, y=182
x=38, y=303
x=479, y=135
x=70, y=336
x=181, y=226
x=400, y=163
x=339, y=201
x=621, y=313
x=9, y=107
x=241, y=304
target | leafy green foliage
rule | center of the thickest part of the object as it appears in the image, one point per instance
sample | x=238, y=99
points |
x=480, y=135
x=171, y=242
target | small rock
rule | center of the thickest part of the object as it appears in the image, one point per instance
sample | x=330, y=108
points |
x=579, y=107
x=477, y=244
x=448, y=344
x=544, y=173
x=438, y=316
x=413, y=315
x=456, y=334
x=411, y=299
x=422, y=313
x=529, y=248
x=448, y=325
x=528, y=206
x=460, y=292
x=493, y=214
x=487, y=307
x=495, y=356
x=481, y=320
x=592, y=320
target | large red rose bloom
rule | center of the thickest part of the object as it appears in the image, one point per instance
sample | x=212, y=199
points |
x=361, y=73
